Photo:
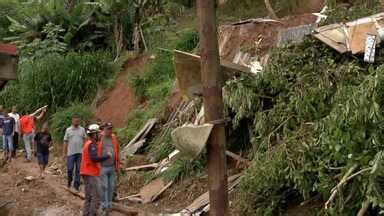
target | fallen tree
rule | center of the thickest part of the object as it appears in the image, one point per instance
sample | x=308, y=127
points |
x=317, y=121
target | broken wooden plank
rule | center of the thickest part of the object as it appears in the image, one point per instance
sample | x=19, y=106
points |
x=143, y=167
x=203, y=200
x=132, y=148
x=238, y=158
x=161, y=191
x=256, y=20
x=188, y=72
x=116, y=207
x=144, y=131
x=131, y=198
x=153, y=190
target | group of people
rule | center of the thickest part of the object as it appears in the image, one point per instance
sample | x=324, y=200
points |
x=13, y=126
x=91, y=153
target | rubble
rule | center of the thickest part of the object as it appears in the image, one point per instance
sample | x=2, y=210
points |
x=351, y=36
x=191, y=139
x=188, y=72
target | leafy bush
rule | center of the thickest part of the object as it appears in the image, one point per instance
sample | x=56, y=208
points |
x=316, y=115
x=358, y=9
x=59, y=80
x=63, y=117
x=183, y=167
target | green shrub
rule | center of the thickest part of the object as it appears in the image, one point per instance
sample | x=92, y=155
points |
x=183, y=167
x=59, y=80
x=63, y=117
x=264, y=185
x=313, y=110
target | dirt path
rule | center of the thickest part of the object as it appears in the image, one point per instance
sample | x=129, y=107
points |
x=43, y=197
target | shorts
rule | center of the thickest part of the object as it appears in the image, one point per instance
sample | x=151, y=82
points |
x=42, y=158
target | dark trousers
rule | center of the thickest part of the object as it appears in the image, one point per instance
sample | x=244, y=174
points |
x=73, y=168
x=92, y=195
x=15, y=143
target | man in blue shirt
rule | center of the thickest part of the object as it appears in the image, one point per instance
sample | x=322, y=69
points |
x=8, y=132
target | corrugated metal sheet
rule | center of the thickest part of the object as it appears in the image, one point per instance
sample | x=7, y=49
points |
x=294, y=34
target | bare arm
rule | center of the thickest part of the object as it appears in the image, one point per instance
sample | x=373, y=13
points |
x=41, y=110
x=42, y=113
x=65, y=147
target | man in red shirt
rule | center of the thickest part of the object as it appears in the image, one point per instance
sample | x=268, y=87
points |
x=27, y=129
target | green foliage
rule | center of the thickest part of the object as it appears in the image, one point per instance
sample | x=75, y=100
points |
x=161, y=146
x=38, y=48
x=313, y=110
x=59, y=80
x=264, y=187
x=358, y=9
x=63, y=117
x=183, y=167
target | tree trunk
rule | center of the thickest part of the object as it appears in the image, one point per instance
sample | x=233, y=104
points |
x=271, y=12
x=118, y=32
x=70, y=5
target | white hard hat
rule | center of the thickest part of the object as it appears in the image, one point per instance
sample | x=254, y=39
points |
x=93, y=128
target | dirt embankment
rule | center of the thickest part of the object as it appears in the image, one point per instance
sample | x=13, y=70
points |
x=259, y=37
x=114, y=104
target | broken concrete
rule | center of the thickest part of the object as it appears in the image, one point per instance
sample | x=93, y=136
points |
x=191, y=139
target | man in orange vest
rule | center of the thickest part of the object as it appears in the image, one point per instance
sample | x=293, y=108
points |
x=109, y=168
x=90, y=170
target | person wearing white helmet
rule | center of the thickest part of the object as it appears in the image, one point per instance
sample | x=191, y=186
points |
x=90, y=170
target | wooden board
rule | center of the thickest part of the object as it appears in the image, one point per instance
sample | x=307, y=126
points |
x=188, y=72
x=144, y=131
x=203, y=200
x=153, y=190
x=238, y=158
x=143, y=167
x=132, y=148
x=350, y=36
x=358, y=35
x=116, y=207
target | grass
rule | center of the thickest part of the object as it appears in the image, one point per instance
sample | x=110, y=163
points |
x=62, y=119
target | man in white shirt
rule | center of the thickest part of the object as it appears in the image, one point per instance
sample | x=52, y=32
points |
x=16, y=135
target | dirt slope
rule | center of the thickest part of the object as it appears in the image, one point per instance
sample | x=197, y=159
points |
x=116, y=103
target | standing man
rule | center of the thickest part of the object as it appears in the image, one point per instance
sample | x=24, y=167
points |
x=74, y=139
x=16, y=135
x=27, y=129
x=8, y=132
x=109, y=168
x=90, y=171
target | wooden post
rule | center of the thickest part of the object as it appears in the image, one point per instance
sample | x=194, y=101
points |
x=212, y=79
